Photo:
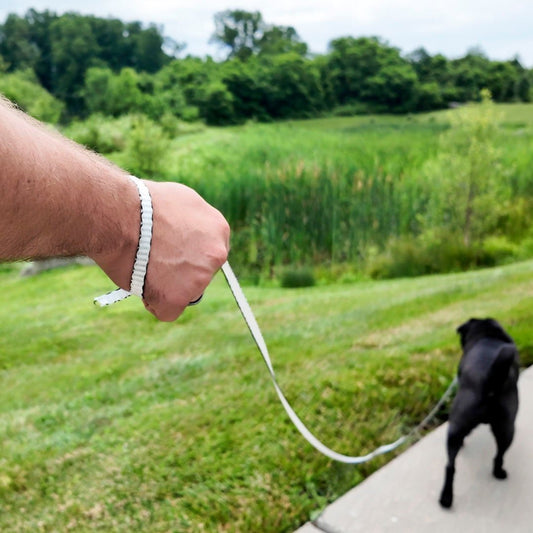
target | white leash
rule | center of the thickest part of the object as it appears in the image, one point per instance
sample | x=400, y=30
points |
x=137, y=285
x=251, y=322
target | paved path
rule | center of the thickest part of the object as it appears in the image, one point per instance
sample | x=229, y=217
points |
x=403, y=495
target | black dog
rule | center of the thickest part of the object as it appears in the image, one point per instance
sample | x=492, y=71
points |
x=487, y=393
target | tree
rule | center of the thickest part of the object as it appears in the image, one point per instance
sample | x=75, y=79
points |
x=430, y=68
x=393, y=86
x=167, y=94
x=114, y=94
x=218, y=108
x=523, y=88
x=429, y=96
x=96, y=90
x=281, y=40
x=147, y=48
x=240, y=31
x=16, y=44
x=40, y=23
x=470, y=75
x=369, y=70
x=74, y=49
x=115, y=48
x=192, y=75
x=246, y=82
x=502, y=80
x=294, y=88
x=60, y=49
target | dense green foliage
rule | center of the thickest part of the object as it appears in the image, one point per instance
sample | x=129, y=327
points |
x=112, y=421
x=22, y=87
x=381, y=195
x=96, y=65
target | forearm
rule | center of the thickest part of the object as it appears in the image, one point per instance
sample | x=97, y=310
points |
x=58, y=198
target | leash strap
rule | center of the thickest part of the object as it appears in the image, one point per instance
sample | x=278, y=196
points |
x=251, y=322
x=142, y=256
x=145, y=239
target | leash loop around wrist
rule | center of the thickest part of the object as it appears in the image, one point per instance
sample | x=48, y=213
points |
x=142, y=255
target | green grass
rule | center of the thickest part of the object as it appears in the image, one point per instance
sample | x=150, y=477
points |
x=112, y=421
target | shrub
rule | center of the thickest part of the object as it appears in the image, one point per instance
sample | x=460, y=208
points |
x=297, y=277
x=439, y=252
x=472, y=185
x=190, y=113
x=498, y=250
x=147, y=148
x=23, y=89
x=427, y=254
x=218, y=108
x=101, y=134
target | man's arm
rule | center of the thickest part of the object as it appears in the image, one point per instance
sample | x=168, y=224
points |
x=59, y=199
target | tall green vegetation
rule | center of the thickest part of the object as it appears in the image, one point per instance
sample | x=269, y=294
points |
x=60, y=49
x=147, y=147
x=396, y=195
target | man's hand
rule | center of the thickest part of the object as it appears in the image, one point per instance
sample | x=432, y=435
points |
x=190, y=242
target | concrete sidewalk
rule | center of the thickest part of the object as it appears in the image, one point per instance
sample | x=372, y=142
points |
x=403, y=495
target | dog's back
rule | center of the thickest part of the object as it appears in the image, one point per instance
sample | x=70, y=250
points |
x=486, y=366
x=503, y=373
x=488, y=375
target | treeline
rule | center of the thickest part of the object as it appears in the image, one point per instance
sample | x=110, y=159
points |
x=61, y=67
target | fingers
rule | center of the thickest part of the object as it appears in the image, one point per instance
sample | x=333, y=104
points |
x=190, y=243
x=188, y=285
x=197, y=301
x=164, y=314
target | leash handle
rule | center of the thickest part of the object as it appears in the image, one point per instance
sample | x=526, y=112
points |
x=142, y=254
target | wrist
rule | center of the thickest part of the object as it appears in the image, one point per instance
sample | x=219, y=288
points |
x=115, y=238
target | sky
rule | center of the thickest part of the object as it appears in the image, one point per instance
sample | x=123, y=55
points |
x=502, y=30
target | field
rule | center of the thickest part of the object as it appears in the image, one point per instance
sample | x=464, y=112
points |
x=112, y=421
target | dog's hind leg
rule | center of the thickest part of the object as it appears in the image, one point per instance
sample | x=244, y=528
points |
x=504, y=436
x=455, y=440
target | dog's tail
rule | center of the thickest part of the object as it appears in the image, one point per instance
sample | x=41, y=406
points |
x=501, y=369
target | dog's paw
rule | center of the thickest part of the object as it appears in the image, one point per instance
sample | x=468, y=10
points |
x=446, y=500
x=499, y=473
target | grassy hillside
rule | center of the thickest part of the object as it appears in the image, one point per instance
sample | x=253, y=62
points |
x=112, y=421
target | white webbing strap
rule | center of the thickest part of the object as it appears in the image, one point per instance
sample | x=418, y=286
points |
x=145, y=239
x=142, y=256
x=250, y=320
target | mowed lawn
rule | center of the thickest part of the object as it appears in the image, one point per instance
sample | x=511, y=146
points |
x=112, y=421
